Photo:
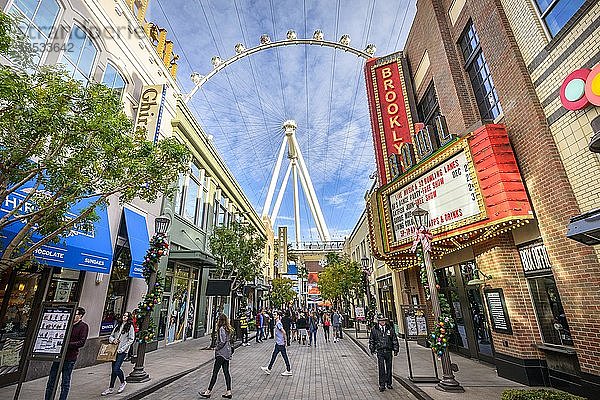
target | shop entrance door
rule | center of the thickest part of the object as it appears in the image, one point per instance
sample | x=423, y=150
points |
x=449, y=286
x=480, y=330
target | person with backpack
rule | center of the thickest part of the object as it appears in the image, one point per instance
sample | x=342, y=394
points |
x=301, y=325
x=244, y=328
x=223, y=353
x=123, y=335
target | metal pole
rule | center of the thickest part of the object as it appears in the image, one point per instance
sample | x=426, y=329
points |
x=296, y=203
x=271, y=190
x=448, y=382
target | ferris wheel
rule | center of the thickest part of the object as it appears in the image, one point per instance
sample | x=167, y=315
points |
x=295, y=90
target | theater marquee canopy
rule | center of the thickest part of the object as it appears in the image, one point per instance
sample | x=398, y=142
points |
x=471, y=188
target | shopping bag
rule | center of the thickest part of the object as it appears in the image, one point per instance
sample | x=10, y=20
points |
x=107, y=352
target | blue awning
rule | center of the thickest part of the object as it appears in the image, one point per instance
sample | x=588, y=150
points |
x=139, y=241
x=82, y=249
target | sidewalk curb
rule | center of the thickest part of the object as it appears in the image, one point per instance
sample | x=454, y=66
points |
x=168, y=380
x=407, y=384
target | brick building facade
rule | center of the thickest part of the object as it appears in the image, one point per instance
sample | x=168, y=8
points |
x=503, y=61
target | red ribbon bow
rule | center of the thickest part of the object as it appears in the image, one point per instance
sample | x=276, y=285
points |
x=424, y=237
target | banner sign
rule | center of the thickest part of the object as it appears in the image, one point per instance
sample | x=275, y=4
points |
x=449, y=192
x=150, y=111
x=388, y=93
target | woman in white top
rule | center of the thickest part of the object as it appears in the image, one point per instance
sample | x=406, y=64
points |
x=123, y=335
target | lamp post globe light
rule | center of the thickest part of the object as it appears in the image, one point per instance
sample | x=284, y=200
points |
x=421, y=220
x=161, y=227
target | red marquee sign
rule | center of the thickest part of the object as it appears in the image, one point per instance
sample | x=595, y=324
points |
x=391, y=118
x=472, y=189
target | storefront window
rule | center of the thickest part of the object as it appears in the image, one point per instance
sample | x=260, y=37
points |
x=64, y=286
x=117, y=289
x=18, y=296
x=549, y=310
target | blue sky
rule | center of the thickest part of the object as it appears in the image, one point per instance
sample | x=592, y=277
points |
x=244, y=105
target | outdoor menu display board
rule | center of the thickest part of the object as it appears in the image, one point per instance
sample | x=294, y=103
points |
x=52, y=331
x=498, y=311
x=415, y=322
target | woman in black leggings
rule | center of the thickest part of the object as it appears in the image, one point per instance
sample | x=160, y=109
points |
x=223, y=353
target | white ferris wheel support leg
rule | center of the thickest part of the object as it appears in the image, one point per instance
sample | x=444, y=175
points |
x=296, y=202
x=311, y=191
x=311, y=205
x=271, y=190
x=284, y=183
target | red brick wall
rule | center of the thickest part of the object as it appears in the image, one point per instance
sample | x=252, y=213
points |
x=499, y=258
x=576, y=267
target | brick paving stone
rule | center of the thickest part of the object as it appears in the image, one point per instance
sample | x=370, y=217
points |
x=328, y=371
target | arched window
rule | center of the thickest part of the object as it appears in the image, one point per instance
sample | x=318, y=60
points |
x=36, y=18
x=114, y=80
x=79, y=55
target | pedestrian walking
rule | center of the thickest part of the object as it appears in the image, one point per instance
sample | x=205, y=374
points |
x=336, y=322
x=79, y=333
x=123, y=335
x=280, y=341
x=244, y=328
x=286, y=320
x=301, y=324
x=326, y=325
x=259, y=326
x=271, y=325
x=383, y=341
x=294, y=327
x=313, y=327
x=223, y=353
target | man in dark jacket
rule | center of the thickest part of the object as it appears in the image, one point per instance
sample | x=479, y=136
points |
x=383, y=341
x=79, y=334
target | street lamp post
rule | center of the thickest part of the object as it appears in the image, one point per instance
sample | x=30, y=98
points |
x=421, y=219
x=138, y=375
x=366, y=269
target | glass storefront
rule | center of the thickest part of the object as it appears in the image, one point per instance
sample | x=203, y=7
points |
x=472, y=335
x=18, y=293
x=118, y=286
x=177, y=318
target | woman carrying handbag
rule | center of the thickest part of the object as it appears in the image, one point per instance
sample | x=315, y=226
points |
x=123, y=335
x=223, y=353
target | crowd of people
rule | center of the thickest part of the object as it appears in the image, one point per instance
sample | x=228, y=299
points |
x=301, y=325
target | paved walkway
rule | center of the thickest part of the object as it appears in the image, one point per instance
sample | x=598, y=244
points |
x=329, y=371
x=479, y=379
x=163, y=365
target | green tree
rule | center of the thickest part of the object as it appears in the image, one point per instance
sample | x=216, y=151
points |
x=283, y=292
x=238, y=249
x=61, y=143
x=341, y=280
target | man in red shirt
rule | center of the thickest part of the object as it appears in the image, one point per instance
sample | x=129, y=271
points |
x=79, y=334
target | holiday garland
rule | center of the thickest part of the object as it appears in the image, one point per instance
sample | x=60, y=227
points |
x=445, y=324
x=159, y=246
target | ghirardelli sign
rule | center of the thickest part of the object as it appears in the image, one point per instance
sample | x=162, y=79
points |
x=390, y=102
x=150, y=111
